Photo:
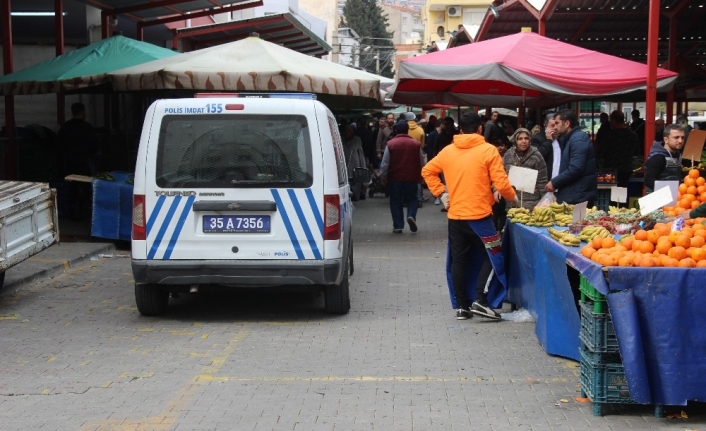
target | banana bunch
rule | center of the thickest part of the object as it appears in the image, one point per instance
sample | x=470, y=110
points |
x=561, y=208
x=542, y=217
x=519, y=215
x=617, y=210
x=590, y=210
x=564, y=237
x=590, y=232
x=563, y=219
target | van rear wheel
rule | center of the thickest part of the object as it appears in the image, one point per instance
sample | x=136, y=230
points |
x=337, y=297
x=151, y=299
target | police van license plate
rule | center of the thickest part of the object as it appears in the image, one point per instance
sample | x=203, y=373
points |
x=236, y=224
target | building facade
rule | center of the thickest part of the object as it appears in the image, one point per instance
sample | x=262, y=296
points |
x=441, y=17
x=404, y=23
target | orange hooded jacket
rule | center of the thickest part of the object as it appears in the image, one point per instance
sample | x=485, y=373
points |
x=470, y=165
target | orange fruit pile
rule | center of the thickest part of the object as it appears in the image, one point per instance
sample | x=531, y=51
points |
x=656, y=247
x=692, y=193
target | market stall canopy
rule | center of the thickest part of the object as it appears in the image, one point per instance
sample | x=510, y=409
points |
x=253, y=64
x=84, y=67
x=497, y=71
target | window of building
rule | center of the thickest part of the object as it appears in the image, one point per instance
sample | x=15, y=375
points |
x=404, y=20
x=440, y=31
x=416, y=21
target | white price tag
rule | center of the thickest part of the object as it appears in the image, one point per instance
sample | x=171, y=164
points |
x=580, y=211
x=655, y=201
x=619, y=194
x=523, y=179
x=673, y=187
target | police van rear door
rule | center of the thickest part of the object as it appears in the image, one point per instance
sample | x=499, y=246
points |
x=235, y=178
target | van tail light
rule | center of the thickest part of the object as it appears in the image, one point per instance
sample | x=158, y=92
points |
x=139, y=227
x=332, y=217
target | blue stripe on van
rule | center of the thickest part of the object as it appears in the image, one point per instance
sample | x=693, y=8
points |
x=179, y=226
x=315, y=209
x=163, y=228
x=305, y=225
x=155, y=213
x=287, y=224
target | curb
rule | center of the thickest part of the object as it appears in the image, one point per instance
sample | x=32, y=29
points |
x=11, y=286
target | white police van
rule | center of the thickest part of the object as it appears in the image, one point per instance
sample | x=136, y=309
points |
x=240, y=191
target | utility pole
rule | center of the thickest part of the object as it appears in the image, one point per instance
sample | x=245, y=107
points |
x=377, y=61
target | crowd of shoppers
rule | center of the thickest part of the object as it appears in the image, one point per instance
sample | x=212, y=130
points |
x=466, y=170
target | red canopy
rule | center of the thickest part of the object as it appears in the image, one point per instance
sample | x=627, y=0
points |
x=497, y=71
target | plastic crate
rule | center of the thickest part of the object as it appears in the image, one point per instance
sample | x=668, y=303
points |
x=597, y=331
x=603, y=199
x=603, y=382
x=588, y=292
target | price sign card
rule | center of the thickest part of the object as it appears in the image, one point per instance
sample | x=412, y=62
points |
x=580, y=211
x=673, y=187
x=619, y=194
x=523, y=179
x=655, y=201
x=694, y=146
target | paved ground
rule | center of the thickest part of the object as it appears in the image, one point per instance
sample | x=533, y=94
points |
x=76, y=355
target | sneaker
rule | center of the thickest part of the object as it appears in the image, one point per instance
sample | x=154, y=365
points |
x=443, y=210
x=485, y=311
x=396, y=230
x=423, y=199
x=437, y=201
x=463, y=314
x=412, y=224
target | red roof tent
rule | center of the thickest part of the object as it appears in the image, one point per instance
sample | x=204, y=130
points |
x=496, y=71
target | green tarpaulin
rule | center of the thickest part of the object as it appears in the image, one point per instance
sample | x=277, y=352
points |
x=85, y=67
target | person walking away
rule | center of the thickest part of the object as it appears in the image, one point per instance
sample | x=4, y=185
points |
x=417, y=133
x=577, y=180
x=432, y=146
x=619, y=146
x=491, y=128
x=659, y=128
x=664, y=159
x=400, y=167
x=431, y=125
x=526, y=156
x=355, y=158
x=78, y=146
x=475, y=265
x=384, y=135
x=637, y=125
x=449, y=132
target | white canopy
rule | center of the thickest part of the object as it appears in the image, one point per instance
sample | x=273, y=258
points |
x=252, y=64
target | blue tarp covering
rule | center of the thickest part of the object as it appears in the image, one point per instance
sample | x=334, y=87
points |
x=112, y=207
x=657, y=313
x=538, y=282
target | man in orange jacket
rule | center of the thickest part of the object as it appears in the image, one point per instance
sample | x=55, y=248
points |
x=470, y=166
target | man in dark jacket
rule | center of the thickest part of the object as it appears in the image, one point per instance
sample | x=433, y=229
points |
x=576, y=181
x=543, y=142
x=401, y=169
x=618, y=148
x=637, y=125
x=664, y=162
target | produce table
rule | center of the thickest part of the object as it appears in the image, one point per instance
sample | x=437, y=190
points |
x=658, y=313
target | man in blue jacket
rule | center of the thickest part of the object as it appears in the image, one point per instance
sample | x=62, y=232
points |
x=576, y=181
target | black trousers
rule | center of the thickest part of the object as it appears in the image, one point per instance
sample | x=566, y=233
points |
x=465, y=244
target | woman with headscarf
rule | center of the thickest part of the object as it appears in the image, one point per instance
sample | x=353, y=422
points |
x=522, y=154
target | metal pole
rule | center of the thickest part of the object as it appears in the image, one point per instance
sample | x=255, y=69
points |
x=672, y=64
x=377, y=61
x=59, y=38
x=651, y=99
x=11, y=147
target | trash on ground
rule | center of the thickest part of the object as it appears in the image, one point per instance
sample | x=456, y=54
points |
x=521, y=316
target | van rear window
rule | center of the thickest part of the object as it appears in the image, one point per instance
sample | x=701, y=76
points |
x=234, y=151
